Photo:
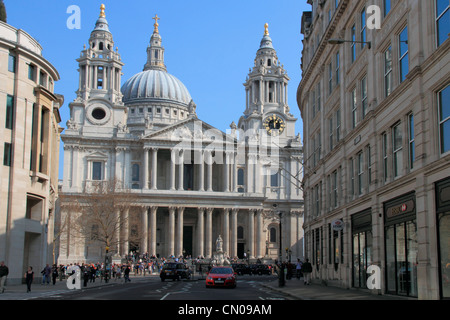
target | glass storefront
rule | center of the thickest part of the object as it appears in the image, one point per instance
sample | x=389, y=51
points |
x=362, y=247
x=443, y=219
x=401, y=246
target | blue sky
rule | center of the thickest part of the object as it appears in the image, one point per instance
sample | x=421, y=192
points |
x=209, y=45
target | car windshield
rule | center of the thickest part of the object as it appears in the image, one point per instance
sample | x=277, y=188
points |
x=170, y=266
x=221, y=270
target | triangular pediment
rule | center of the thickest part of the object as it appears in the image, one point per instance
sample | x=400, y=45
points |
x=192, y=129
x=96, y=155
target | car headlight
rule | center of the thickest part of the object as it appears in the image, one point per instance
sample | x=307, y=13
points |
x=209, y=278
x=230, y=278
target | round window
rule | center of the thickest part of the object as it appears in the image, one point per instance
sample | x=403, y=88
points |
x=98, y=114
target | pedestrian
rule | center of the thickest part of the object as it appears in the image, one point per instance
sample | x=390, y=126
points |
x=307, y=269
x=54, y=274
x=4, y=271
x=29, y=277
x=46, y=274
x=126, y=274
x=298, y=269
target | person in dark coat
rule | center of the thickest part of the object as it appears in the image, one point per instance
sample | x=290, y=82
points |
x=4, y=271
x=307, y=269
x=54, y=274
x=29, y=277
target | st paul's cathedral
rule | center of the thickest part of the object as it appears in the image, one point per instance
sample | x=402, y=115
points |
x=191, y=182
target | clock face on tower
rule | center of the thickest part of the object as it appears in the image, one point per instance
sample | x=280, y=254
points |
x=274, y=125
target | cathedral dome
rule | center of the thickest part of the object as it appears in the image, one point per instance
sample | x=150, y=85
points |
x=155, y=84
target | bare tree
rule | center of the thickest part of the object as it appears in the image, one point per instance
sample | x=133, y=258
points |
x=100, y=212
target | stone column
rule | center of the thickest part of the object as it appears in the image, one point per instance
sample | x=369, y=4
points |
x=201, y=232
x=153, y=211
x=202, y=171
x=226, y=173
x=145, y=168
x=180, y=222
x=208, y=171
x=119, y=223
x=233, y=251
x=154, y=168
x=259, y=234
x=251, y=233
x=208, y=246
x=126, y=224
x=181, y=171
x=226, y=231
x=172, y=168
x=171, y=232
x=144, y=238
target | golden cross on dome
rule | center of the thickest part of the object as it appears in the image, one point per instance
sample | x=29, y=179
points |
x=102, y=11
x=156, y=25
x=266, y=31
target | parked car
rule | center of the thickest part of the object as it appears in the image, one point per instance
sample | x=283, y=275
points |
x=261, y=269
x=221, y=277
x=242, y=269
x=175, y=271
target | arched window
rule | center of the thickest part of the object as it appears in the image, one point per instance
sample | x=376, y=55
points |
x=100, y=46
x=240, y=232
x=241, y=180
x=273, y=234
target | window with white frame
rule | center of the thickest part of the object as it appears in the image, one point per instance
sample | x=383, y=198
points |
x=442, y=21
x=388, y=72
x=360, y=159
x=331, y=130
x=338, y=125
x=97, y=170
x=385, y=156
x=364, y=97
x=403, y=57
x=353, y=43
x=369, y=165
x=354, y=109
x=352, y=177
x=334, y=178
x=444, y=119
x=397, y=149
x=411, y=144
x=363, y=28
x=337, y=67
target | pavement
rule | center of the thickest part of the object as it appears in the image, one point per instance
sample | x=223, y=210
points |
x=294, y=288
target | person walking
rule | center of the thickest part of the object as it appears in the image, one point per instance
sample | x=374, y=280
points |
x=54, y=274
x=126, y=274
x=46, y=274
x=4, y=271
x=29, y=277
x=298, y=269
x=307, y=269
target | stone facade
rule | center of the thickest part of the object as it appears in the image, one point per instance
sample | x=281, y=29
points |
x=29, y=152
x=374, y=102
x=193, y=182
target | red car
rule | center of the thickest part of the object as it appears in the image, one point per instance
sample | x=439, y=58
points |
x=221, y=277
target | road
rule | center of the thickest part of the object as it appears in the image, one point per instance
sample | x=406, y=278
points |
x=248, y=288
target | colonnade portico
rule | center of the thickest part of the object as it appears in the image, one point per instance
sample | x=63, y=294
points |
x=204, y=237
x=204, y=161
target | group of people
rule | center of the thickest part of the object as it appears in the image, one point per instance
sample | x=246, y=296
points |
x=302, y=270
x=143, y=266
